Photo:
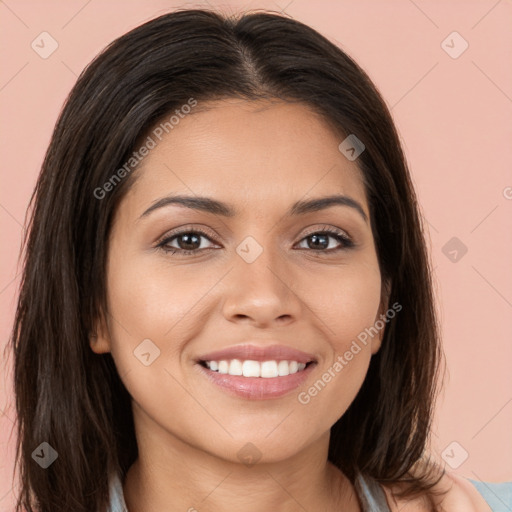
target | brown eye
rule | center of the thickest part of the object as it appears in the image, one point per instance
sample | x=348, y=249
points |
x=191, y=242
x=320, y=241
x=188, y=242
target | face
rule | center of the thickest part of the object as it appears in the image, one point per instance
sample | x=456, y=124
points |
x=267, y=282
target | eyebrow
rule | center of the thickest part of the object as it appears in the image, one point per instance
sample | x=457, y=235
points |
x=209, y=205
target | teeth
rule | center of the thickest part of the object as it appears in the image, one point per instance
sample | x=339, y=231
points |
x=251, y=369
x=283, y=368
x=235, y=367
x=264, y=369
x=269, y=369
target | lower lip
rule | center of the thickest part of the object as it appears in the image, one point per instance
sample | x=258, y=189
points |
x=258, y=388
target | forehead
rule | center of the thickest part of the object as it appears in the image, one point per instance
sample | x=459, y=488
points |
x=258, y=155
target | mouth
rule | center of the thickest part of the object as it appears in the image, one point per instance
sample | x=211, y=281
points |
x=256, y=369
x=257, y=372
x=256, y=380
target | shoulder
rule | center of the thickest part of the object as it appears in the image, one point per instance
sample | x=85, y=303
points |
x=454, y=493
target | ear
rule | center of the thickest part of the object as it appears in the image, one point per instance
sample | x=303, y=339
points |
x=381, y=315
x=99, y=339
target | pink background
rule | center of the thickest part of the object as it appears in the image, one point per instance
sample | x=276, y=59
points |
x=454, y=116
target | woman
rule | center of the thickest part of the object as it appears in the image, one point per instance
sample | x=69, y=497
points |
x=227, y=299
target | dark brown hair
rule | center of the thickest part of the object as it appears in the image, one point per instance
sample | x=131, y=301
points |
x=72, y=398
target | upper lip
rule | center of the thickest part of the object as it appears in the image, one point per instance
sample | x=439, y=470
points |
x=260, y=353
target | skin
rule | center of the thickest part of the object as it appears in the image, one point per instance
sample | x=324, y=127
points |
x=260, y=158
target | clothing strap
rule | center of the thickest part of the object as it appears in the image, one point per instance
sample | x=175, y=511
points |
x=370, y=494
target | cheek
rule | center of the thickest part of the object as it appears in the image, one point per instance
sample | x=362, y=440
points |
x=347, y=305
x=148, y=300
x=342, y=374
x=149, y=308
x=153, y=309
x=347, y=302
x=335, y=387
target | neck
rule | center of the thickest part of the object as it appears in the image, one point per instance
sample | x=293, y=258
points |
x=173, y=475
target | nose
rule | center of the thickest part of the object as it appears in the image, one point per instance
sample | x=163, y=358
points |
x=261, y=293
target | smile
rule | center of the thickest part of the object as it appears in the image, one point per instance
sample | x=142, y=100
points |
x=258, y=380
x=249, y=368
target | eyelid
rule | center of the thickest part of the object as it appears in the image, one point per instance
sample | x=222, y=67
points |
x=185, y=229
x=329, y=229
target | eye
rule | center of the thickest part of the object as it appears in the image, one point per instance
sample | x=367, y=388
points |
x=320, y=240
x=189, y=241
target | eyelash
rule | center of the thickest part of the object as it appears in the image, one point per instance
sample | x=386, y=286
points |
x=326, y=230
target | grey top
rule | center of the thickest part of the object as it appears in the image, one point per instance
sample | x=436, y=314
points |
x=369, y=491
x=117, y=503
x=370, y=494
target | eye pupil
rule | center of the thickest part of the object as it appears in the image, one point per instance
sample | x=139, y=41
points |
x=190, y=239
x=316, y=241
